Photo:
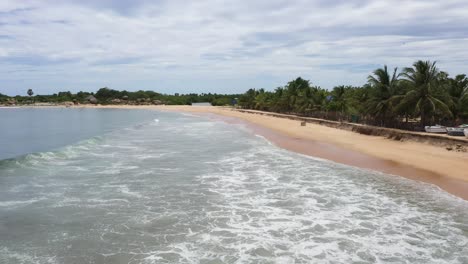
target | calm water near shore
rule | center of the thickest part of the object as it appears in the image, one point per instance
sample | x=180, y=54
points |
x=29, y=130
x=131, y=186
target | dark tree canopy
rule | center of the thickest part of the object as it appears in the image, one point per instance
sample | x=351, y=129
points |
x=417, y=96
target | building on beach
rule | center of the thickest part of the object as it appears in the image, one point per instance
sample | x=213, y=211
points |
x=202, y=104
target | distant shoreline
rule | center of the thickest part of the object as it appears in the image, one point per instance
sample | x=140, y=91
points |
x=421, y=161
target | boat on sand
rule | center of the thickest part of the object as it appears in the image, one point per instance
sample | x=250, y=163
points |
x=455, y=131
x=436, y=129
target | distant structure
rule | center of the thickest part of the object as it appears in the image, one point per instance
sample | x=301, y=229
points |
x=91, y=99
x=201, y=104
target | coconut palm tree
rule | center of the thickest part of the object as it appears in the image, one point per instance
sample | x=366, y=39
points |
x=294, y=90
x=308, y=100
x=424, y=91
x=340, y=102
x=385, y=88
x=458, y=91
x=262, y=100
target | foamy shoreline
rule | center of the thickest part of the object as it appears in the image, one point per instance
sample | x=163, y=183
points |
x=415, y=160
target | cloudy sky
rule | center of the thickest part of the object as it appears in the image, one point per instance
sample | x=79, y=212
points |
x=220, y=46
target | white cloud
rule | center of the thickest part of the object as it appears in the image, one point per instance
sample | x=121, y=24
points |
x=229, y=46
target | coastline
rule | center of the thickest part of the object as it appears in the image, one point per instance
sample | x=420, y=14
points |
x=414, y=160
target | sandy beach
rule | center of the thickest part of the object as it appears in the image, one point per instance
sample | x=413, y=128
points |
x=415, y=160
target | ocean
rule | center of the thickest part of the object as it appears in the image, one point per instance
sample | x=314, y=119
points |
x=134, y=186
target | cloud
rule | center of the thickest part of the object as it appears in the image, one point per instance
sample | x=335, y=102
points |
x=34, y=60
x=118, y=61
x=228, y=46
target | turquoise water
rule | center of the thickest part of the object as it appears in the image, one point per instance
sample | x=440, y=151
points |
x=152, y=187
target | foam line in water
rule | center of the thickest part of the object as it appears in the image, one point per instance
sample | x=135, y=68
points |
x=9, y=204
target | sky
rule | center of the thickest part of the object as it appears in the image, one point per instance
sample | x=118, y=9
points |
x=174, y=46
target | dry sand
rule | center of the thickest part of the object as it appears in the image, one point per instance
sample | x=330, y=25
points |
x=415, y=160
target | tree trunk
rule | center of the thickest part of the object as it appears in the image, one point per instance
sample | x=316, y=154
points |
x=423, y=119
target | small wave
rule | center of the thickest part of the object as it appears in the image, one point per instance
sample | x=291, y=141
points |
x=265, y=139
x=189, y=115
x=64, y=153
x=18, y=203
x=125, y=190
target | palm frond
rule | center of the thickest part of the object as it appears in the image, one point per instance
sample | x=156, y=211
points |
x=438, y=104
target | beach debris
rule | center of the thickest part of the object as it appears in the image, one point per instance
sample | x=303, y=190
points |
x=457, y=148
x=460, y=148
x=395, y=136
x=365, y=130
x=303, y=123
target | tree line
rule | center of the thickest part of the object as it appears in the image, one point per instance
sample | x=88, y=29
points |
x=110, y=96
x=410, y=99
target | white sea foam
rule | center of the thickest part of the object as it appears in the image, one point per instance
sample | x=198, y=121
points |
x=288, y=219
x=189, y=115
x=263, y=138
x=194, y=191
x=125, y=190
x=10, y=204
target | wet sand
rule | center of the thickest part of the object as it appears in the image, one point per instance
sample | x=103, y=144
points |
x=413, y=160
x=354, y=158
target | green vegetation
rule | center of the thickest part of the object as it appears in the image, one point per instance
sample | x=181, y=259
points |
x=109, y=96
x=419, y=95
x=3, y=98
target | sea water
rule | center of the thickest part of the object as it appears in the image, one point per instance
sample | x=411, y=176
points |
x=124, y=186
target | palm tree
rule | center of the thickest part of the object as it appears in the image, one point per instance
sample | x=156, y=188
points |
x=340, y=102
x=247, y=100
x=294, y=90
x=425, y=91
x=307, y=100
x=30, y=93
x=385, y=88
x=280, y=102
x=262, y=100
x=458, y=91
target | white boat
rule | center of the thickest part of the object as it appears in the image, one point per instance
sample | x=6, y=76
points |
x=455, y=131
x=466, y=132
x=436, y=129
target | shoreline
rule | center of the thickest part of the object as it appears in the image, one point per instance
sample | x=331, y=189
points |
x=418, y=161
